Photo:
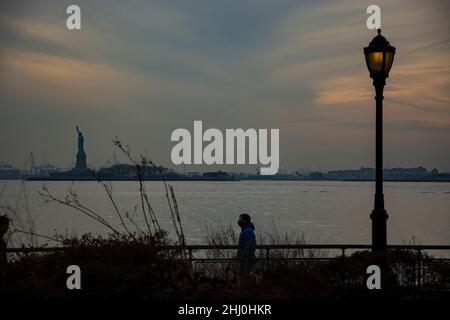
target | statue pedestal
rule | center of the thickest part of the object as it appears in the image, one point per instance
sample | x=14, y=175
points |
x=81, y=161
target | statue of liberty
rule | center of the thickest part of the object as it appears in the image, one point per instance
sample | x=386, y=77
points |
x=81, y=155
x=80, y=141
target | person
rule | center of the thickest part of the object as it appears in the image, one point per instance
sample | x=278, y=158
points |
x=247, y=240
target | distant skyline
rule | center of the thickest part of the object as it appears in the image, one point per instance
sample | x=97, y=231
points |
x=140, y=69
x=203, y=168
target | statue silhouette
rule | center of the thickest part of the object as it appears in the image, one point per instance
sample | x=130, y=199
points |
x=80, y=142
x=81, y=155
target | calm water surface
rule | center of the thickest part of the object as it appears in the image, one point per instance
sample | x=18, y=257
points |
x=325, y=212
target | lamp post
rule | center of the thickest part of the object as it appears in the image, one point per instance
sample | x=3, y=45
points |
x=379, y=58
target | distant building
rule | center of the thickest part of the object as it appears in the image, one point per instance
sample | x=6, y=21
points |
x=316, y=175
x=123, y=171
x=9, y=172
x=418, y=173
x=216, y=175
x=194, y=175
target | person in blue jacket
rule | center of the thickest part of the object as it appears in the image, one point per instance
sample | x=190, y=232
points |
x=247, y=240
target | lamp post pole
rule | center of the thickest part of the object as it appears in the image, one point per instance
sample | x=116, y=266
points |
x=379, y=215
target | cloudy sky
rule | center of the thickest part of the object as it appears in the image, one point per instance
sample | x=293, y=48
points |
x=140, y=69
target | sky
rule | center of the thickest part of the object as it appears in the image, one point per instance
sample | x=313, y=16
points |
x=140, y=69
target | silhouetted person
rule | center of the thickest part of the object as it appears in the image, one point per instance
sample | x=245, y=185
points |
x=4, y=225
x=247, y=247
x=247, y=241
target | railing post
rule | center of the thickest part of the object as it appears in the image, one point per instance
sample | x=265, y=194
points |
x=190, y=255
x=343, y=252
x=4, y=225
x=419, y=267
x=424, y=265
x=267, y=257
x=3, y=260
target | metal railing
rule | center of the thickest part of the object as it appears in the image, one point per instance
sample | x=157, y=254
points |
x=267, y=248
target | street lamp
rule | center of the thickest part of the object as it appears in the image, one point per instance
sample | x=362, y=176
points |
x=379, y=58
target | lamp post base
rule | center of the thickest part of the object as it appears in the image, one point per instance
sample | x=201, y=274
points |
x=379, y=234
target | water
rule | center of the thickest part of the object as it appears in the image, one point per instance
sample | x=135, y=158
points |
x=324, y=212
